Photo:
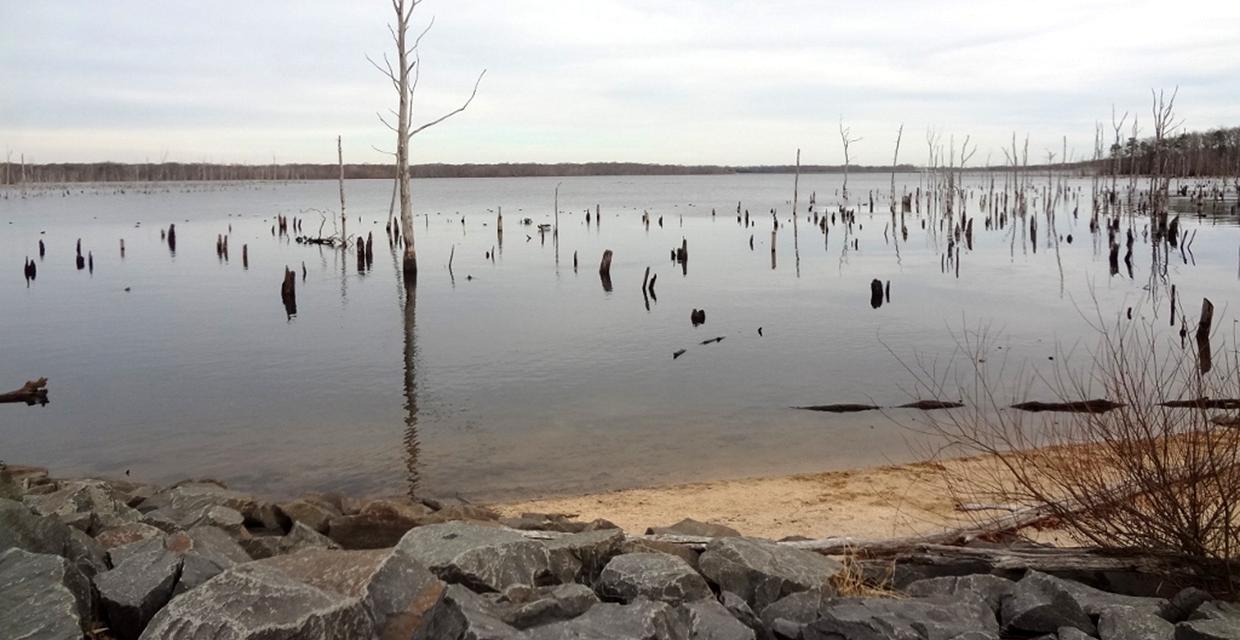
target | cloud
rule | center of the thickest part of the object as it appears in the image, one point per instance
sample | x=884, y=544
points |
x=692, y=81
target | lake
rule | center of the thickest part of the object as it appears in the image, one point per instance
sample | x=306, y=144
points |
x=526, y=376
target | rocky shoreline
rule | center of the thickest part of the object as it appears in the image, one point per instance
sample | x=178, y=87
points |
x=89, y=558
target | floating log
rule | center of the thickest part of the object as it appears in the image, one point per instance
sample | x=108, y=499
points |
x=840, y=408
x=677, y=353
x=1204, y=403
x=32, y=393
x=713, y=340
x=1080, y=406
x=927, y=405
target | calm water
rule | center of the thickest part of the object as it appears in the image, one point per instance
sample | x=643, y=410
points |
x=527, y=376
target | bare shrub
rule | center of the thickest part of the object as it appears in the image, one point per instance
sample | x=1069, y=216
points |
x=1158, y=473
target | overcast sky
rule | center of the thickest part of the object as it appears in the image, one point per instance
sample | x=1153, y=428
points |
x=675, y=81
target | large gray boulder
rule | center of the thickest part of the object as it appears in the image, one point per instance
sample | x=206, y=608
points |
x=653, y=576
x=640, y=620
x=709, y=620
x=299, y=538
x=312, y=512
x=466, y=615
x=136, y=589
x=90, y=505
x=149, y=573
x=581, y=557
x=1129, y=623
x=128, y=533
x=896, y=619
x=1208, y=629
x=793, y=611
x=22, y=528
x=990, y=589
x=762, y=572
x=316, y=594
x=42, y=596
x=524, y=607
x=224, y=609
x=1040, y=603
x=1095, y=601
x=482, y=558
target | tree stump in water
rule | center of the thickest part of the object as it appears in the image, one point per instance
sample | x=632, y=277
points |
x=288, y=292
x=876, y=293
x=1204, y=357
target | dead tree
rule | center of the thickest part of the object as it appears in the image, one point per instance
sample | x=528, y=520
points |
x=847, y=139
x=404, y=79
x=340, y=161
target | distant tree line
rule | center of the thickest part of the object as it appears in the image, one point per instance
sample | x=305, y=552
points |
x=16, y=173
x=1215, y=152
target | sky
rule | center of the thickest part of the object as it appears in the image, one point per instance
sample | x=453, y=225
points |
x=666, y=81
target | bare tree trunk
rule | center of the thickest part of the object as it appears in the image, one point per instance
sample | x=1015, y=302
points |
x=340, y=160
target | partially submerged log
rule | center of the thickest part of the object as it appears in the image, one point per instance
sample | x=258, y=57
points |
x=1204, y=403
x=840, y=408
x=32, y=393
x=1079, y=406
x=927, y=405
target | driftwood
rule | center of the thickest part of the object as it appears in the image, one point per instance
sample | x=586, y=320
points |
x=1204, y=403
x=32, y=393
x=1080, y=406
x=840, y=408
x=926, y=405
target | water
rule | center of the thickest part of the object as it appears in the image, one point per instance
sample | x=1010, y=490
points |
x=527, y=376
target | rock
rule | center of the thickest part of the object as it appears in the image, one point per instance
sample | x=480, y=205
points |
x=466, y=615
x=641, y=620
x=270, y=518
x=524, y=607
x=739, y=609
x=223, y=609
x=397, y=507
x=204, y=552
x=368, y=531
x=312, y=513
x=23, y=529
x=653, y=576
x=465, y=512
x=42, y=596
x=796, y=610
x=127, y=533
x=1216, y=610
x=895, y=619
x=482, y=558
x=991, y=589
x=299, y=538
x=1185, y=603
x=582, y=556
x=89, y=505
x=1070, y=633
x=762, y=572
x=691, y=527
x=1094, y=601
x=87, y=555
x=136, y=589
x=312, y=594
x=1215, y=629
x=198, y=495
x=397, y=591
x=172, y=519
x=1128, y=623
x=1041, y=604
x=637, y=545
x=709, y=620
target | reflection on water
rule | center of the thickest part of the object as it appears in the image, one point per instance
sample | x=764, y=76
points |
x=521, y=376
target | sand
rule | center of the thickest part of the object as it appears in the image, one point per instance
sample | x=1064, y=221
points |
x=879, y=502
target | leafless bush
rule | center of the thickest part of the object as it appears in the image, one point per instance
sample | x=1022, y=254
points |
x=1158, y=473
